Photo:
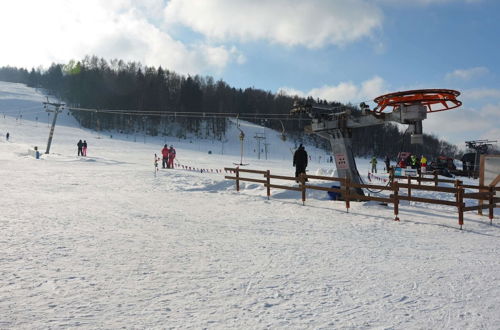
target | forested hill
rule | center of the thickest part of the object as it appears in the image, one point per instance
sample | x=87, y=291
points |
x=160, y=101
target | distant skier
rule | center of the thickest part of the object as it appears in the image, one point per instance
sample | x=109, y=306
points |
x=164, y=153
x=7, y=136
x=300, y=161
x=423, y=164
x=414, y=162
x=374, y=164
x=402, y=163
x=171, y=157
x=80, y=148
x=84, y=148
x=387, y=162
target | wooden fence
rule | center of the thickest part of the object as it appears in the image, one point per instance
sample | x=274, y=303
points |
x=486, y=194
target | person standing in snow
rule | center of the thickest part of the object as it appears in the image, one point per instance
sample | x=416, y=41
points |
x=84, y=148
x=164, y=153
x=414, y=162
x=300, y=161
x=374, y=164
x=423, y=164
x=387, y=162
x=171, y=157
x=80, y=147
x=7, y=136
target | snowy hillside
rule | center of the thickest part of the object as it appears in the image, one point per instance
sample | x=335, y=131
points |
x=103, y=242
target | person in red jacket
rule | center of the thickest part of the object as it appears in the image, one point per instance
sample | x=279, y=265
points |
x=171, y=157
x=164, y=153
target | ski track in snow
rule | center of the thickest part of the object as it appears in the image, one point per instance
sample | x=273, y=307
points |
x=101, y=242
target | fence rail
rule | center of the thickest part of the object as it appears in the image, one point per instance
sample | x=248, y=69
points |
x=485, y=195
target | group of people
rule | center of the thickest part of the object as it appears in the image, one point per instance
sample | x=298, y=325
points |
x=387, y=162
x=414, y=162
x=411, y=161
x=82, y=148
x=168, y=156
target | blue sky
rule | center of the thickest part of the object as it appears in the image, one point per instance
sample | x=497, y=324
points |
x=348, y=51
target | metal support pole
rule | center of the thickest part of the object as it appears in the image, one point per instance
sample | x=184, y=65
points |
x=268, y=183
x=395, y=186
x=51, y=133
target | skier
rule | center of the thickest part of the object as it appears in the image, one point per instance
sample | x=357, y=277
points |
x=7, y=136
x=171, y=157
x=402, y=163
x=414, y=162
x=300, y=161
x=387, y=162
x=84, y=148
x=374, y=164
x=164, y=153
x=423, y=164
x=80, y=146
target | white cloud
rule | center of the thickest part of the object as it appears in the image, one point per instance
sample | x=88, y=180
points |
x=41, y=32
x=312, y=23
x=290, y=92
x=467, y=74
x=492, y=111
x=492, y=134
x=465, y=123
x=481, y=94
x=344, y=92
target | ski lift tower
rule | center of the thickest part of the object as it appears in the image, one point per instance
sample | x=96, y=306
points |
x=57, y=108
x=479, y=147
x=408, y=107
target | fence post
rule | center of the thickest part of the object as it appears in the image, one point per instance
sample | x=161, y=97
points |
x=460, y=206
x=457, y=184
x=347, y=188
x=302, y=179
x=237, y=179
x=490, y=213
x=409, y=189
x=395, y=186
x=268, y=182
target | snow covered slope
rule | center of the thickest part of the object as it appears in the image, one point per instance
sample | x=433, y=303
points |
x=101, y=242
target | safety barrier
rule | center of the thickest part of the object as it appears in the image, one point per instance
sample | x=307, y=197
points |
x=486, y=194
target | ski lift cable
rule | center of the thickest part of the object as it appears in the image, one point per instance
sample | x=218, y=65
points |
x=187, y=114
x=20, y=109
x=122, y=111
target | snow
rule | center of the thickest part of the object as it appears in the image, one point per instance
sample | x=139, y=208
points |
x=101, y=242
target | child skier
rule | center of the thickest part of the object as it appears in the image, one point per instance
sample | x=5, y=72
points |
x=171, y=157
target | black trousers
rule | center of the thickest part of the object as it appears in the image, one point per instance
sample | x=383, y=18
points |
x=299, y=169
x=164, y=162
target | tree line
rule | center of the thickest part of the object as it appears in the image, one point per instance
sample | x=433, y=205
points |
x=158, y=101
